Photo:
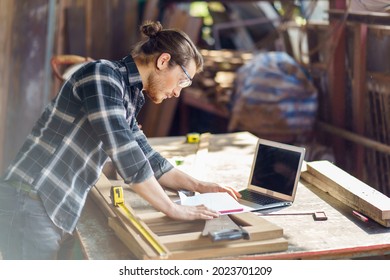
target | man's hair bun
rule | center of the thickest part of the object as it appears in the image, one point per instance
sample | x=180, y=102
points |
x=151, y=29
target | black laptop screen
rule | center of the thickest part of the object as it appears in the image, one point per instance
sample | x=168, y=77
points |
x=276, y=169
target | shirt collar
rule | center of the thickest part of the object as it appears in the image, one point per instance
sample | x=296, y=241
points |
x=133, y=74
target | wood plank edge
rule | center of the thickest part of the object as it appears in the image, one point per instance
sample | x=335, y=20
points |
x=376, y=216
x=346, y=196
x=191, y=240
x=317, y=172
x=132, y=240
x=233, y=249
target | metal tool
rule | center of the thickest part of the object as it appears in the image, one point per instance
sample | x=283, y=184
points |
x=317, y=216
x=118, y=200
x=224, y=228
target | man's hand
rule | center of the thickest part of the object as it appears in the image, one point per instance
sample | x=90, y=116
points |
x=178, y=180
x=204, y=187
x=185, y=212
x=152, y=192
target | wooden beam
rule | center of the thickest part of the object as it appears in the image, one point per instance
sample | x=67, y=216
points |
x=358, y=139
x=362, y=17
x=131, y=239
x=337, y=81
x=349, y=190
x=359, y=91
x=232, y=249
x=124, y=24
x=194, y=240
x=6, y=14
x=98, y=27
x=76, y=36
x=151, y=10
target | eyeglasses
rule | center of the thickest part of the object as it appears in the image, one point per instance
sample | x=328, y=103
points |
x=186, y=82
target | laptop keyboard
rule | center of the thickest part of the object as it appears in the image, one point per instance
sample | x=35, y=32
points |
x=257, y=198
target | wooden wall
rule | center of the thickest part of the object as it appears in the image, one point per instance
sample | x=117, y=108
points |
x=94, y=28
x=97, y=28
x=6, y=8
x=22, y=70
x=354, y=111
x=34, y=31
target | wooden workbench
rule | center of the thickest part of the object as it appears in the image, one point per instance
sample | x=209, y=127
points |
x=228, y=162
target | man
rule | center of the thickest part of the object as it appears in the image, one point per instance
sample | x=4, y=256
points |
x=93, y=118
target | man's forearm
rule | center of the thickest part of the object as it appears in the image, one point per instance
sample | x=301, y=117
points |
x=152, y=192
x=178, y=180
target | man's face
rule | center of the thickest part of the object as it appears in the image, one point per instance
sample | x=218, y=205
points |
x=168, y=82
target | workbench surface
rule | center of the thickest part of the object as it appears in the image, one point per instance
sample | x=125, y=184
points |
x=228, y=162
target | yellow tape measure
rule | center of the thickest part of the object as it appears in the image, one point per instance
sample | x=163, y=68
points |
x=117, y=196
x=193, y=137
x=119, y=201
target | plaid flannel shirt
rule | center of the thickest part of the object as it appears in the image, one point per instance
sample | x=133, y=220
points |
x=93, y=118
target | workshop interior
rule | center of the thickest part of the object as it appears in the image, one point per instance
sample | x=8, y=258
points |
x=311, y=74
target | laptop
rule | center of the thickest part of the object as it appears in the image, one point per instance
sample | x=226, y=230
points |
x=274, y=177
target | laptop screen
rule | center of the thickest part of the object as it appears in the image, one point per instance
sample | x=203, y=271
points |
x=276, y=169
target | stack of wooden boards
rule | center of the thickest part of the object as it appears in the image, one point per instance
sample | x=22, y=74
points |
x=182, y=239
x=216, y=81
x=349, y=190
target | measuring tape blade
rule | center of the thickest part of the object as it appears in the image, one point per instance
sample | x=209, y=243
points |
x=144, y=232
x=119, y=201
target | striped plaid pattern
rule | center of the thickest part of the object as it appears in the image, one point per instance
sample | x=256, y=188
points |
x=93, y=118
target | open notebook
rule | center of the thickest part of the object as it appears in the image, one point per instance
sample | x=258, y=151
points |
x=221, y=202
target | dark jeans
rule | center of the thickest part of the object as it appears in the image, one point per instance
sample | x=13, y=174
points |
x=26, y=231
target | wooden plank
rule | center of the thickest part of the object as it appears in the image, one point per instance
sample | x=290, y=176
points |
x=337, y=79
x=59, y=47
x=333, y=175
x=76, y=38
x=6, y=13
x=257, y=227
x=233, y=249
x=246, y=219
x=99, y=200
x=132, y=231
x=195, y=240
x=359, y=89
x=116, y=221
x=361, y=140
x=151, y=10
x=124, y=24
x=117, y=18
x=349, y=190
x=98, y=26
x=175, y=227
x=132, y=240
x=365, y=252
x=324, y=187
x=130, y=219
x=96, y=238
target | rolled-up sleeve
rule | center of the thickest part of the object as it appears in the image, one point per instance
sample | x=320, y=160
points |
x=159, y=164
